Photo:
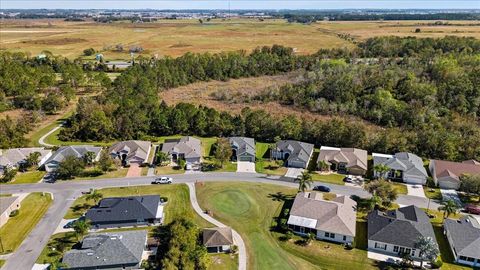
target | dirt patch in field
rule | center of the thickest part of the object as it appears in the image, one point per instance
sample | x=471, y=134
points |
x=59, y=41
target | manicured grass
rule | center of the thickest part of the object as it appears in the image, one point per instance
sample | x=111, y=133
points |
x=2, y=262
x=251, y=209
x=32, y=209
x=261, y=150
x=178, y=201
x=333, y=178
x=27, y=177
x=57, y=245
x=210, y=165
x=37, y=135
x=223, y=262
x=432, y=193
x=118, y=173
x=469, y=198
x=269, y=167
x=401, y=188
x=163, y=170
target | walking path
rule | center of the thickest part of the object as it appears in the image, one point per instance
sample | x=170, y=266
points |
x=237, y=239
x=42, y=142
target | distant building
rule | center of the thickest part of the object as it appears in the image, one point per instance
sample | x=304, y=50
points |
x=296, y=154
x=332, y=220
x=8, y=204
x=463, y=235
x=116, y=250
x=126, y=211
x=344, y=160
x=405, y=167
x=447, y=173
x=77, y=151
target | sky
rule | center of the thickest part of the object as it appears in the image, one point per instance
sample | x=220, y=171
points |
x=240, y=4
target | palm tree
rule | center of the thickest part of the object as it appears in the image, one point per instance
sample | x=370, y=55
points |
x=89, y=158
x=449, y=207
x=428, y=249
x=382, y=170
x=304, y=181
x=323, y=165
x=80, y=227
x=310, y=238
x=94, y=196
x=374, y=200
x=33, y=159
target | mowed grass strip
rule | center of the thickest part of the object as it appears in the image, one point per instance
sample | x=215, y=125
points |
x=178, y=204
x=251, y=208
x=27, y=177
x=32, y=209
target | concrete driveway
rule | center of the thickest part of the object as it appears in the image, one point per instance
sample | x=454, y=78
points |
x=134, y=170
x=451, y=194
x=415, y=190
x=245, y=166
x=293, y=172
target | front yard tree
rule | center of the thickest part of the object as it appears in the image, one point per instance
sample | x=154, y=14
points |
x=382, y=170
x=8, y=174
x=161, y=158
x=70, y=167
x=448, y=207
x=384, y=190
x=181, y=163
x=470, y=184
x=223, y=150
x=304, y=181
x=105, y=162
x=323, y=165
x=94, y=196
x=33, y=159
x=89, y=158
x=428, y=249
x=80, y=227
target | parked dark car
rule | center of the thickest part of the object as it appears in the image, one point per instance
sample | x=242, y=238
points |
x=472, y=209
x=321, y=188
x=347, y=179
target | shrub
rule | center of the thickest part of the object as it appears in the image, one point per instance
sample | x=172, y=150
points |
x=164, y=199
x=14, y=213
x=89, y=52
x=437, y=264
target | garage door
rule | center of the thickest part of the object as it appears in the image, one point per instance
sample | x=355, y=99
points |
x=413, y=180
x=296, y=164
x=246, y=158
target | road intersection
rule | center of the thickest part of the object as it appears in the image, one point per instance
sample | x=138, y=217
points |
x=65, y=192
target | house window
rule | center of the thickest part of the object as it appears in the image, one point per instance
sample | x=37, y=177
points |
x=332, y=235
x=344, y=238
x=470, y=259
x=407, y=251
x=327, y=234
x=402, y=250
x=395, y=248
x=413, y=252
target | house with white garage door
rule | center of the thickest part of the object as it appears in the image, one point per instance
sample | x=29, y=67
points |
x=296, y=154
x=404, y=167
x=447, y=173
x=243, y=149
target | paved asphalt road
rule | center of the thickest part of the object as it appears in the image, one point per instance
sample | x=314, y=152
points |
x=65, y=192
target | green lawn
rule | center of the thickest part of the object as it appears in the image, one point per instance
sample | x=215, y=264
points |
x=37, y=135
x=165, y=170
x=27, y=177
x=269, y=167
x=56, y=246
x=401, y=188
x=251, y=209
x=333, y=178
x=118, y=173
x=469, y=198
x=2, y=262
x=261, y=150
x=53, y=139
x=223, y=262
x=432, y=193
x=209, y=164
x=178, y=201
x=32, y=209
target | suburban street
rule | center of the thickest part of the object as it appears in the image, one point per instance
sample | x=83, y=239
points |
x=65, y=192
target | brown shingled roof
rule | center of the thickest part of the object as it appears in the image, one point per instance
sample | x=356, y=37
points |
x=455, y=169
x=213, y=237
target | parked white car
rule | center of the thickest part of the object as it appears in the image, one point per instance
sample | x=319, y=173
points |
x=163, y=180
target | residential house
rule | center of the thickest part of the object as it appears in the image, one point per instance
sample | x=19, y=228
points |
x=14, y=158
x=131, y=151
x=463, y=235
x=405, y=167
x=217, y=239
x=296, y=154
x=332, y=220
x=115, y=250
x=187, y=148
x=344, y=160
x=8, y=204
x=243, y=149
x=126, y=211
x=396, y=232
x=447, y=173
x=77, y=151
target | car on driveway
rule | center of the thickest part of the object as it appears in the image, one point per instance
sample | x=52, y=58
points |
x=347, y=179
x=49, y=178
x=322, y=188
x=162, y=180
x=472, y=209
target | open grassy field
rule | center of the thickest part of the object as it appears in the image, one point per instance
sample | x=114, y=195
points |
x=32, y=209
x=175, y=37
x=251, y=210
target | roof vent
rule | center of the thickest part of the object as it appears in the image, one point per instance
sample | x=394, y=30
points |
x=90, y=253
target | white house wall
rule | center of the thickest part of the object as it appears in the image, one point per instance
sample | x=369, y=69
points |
x=389, y=249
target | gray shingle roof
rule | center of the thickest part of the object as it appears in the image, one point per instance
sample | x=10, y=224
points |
x=187, y=145
x=243, y=145
x=465, y=234
x=400, y=227
x=337, y=215
x=107, y=249
x=137, y=150
x=409, y=163
x=121, y=209
x=299, y=150
x=74, y=150
x=6, y=202
x=12, y=157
